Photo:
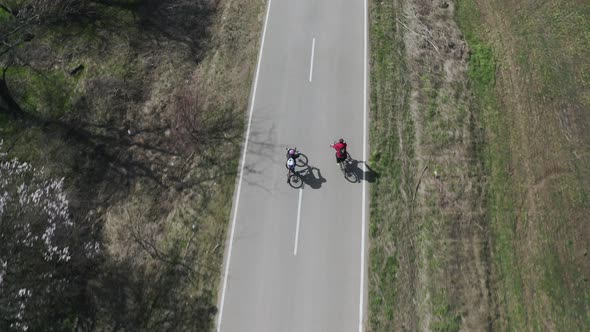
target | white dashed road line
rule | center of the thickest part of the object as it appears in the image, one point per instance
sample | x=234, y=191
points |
x=311, y=62
x=298, y=222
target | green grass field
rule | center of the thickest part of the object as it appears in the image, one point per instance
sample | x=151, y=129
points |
x=497, y=238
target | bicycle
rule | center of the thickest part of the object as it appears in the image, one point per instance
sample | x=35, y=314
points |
x=345, y=163
x=300, y=158
x=294, y=179
x=347, y=169
x=346, y=166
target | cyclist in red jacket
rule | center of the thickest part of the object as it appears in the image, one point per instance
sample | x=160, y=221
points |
x=340, y=148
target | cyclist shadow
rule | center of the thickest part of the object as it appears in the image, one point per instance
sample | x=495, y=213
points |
x=368, y=174
x=312, y=176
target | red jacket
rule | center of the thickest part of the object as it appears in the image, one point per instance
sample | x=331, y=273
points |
x=339, y=146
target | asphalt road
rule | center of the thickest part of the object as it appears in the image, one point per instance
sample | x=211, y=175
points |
x=295, y=257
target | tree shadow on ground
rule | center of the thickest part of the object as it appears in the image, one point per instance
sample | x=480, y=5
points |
x=134, y=297
x=108, y=148
x=186, y=22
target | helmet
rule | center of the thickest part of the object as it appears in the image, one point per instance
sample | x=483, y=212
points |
x=291, y=162
x=341, y=140
x=291, y=151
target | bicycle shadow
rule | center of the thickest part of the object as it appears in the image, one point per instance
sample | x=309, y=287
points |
x=368, y=174
x=312, y=177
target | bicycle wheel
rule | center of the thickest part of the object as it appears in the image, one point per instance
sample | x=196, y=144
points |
x=343, y=165
x=349, y=174
x=295, y=181
x=301, y=160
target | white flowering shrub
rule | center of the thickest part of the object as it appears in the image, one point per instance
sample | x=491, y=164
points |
x=36, y=239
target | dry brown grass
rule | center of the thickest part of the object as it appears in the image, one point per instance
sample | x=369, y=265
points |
x=440, y=239
x=147, y=136
x=206, y=125
x=454, y=275
x=497, y=239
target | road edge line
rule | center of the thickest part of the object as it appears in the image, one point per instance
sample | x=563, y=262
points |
x=243, y=162
x=364, y=199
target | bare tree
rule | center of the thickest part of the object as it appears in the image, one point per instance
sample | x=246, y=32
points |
x=194, y=127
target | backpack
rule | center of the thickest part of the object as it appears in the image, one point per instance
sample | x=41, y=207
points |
x=291, y=163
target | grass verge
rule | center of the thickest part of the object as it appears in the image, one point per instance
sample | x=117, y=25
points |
x=427, y=204
x=535, y=155
x=391, y=139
